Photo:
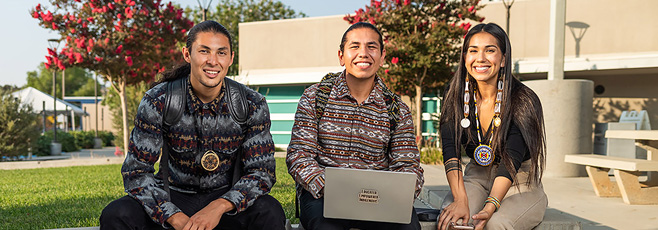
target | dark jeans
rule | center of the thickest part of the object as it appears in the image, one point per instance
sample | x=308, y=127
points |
x=127, y=213
x=311, y=217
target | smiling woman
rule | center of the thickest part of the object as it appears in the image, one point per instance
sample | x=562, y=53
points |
x=498, y=122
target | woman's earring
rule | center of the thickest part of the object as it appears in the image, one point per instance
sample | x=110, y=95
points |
x=465, y=122
x=499, y=96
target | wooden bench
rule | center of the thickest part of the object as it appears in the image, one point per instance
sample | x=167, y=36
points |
x=626, y=171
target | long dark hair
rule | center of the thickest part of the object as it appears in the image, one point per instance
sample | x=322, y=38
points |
x=184, y=69
x=520, y=105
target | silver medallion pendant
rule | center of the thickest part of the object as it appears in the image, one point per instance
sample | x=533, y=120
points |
x=465, y=123
x=483, y=155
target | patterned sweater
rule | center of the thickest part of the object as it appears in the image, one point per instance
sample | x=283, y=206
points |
x=350, y=135
x=202, y=127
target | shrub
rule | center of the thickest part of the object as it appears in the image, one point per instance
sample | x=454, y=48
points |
x=431, y=155
x=19, y=126
x=84, y=139
x=107, y=137
x=66, y=139
x=42, y=146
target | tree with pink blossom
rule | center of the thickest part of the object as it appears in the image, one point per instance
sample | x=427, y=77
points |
x=124, y=41
x=422, y=39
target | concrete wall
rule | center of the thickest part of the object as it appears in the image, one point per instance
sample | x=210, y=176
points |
x=614, y=26
x=619, y=33
x=291, y=43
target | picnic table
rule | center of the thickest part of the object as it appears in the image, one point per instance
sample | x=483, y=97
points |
x=626, y=170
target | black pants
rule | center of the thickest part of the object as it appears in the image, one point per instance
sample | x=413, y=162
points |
x=312, y=218
x=128, y=213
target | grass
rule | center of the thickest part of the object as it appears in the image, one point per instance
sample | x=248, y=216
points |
x=75, y=196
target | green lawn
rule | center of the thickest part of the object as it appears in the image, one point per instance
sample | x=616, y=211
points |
x=75, y=196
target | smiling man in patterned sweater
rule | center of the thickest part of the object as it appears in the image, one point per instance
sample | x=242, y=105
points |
x=361, y=125
x=203, y=145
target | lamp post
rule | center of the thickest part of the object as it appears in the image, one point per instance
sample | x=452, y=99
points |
x=55, y=148
x=508, y=6
x=204, y=10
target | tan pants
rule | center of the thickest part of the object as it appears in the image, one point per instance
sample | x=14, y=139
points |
x=522, y=208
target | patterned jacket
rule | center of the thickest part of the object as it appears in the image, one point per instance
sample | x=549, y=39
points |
x=350, y=135
x=202, y=127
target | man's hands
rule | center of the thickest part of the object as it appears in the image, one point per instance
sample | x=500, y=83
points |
x=455, y=211
x=206, y=218
x=178, y=220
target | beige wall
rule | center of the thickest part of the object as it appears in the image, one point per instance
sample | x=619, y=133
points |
x=104, y=120
x=291, y=43
x=615, y=26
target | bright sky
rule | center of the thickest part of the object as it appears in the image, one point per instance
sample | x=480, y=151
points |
x=24, y=41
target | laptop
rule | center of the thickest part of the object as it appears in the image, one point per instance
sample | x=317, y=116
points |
x=369, y=195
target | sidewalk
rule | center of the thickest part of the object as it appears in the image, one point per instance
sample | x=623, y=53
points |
x=79, y=158
x=568, y=198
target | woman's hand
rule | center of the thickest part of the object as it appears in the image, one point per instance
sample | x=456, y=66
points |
x=455, y=211
x=481, y=218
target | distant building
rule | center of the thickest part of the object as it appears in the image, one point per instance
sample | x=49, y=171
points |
x=88, y=123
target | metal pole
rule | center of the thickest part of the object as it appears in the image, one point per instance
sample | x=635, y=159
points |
x=103, y=119
x=556, y=40
x=43, y=111
x=54, y=106
x=63, y=84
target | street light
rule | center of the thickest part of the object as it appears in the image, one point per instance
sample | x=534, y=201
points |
x=204, y=8
x=55, y=148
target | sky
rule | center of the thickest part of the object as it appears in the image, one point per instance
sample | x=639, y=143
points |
x=24, y=42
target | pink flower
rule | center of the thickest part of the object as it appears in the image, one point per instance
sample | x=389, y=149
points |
x=35, y=14
x=118, y=50
x=407, y=2
x=48, y=17
x=38, y=8
x=470, y=9
x=99, y=59
x=386, y=71
x=394, y=60
x=78, y=58
x=129, y=60
x=52, y=52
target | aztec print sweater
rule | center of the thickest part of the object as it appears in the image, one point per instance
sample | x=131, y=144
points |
x=350, y=135
x=202, y=127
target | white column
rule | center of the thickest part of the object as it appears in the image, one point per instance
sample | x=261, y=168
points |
x=556, y=40
x=73, y=120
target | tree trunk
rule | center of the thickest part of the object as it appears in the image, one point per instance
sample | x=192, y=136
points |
x=418, y=100
x=124, y=115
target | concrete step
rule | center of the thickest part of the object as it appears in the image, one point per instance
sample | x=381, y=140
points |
x=553, y=219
